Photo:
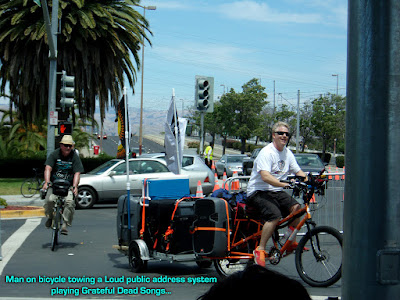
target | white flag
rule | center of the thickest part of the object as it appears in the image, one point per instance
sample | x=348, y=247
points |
x=174, y=138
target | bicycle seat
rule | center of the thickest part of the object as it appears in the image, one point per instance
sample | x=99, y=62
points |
x=61, y=187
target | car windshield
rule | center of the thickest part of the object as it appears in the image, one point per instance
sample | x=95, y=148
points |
x=310, y=161
x=104, y=167
x=235, y=159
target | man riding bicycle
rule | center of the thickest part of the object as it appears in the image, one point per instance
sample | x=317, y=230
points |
x=265, y=190
x=63, y=163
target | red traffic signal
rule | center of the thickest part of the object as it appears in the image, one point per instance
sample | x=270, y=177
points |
x=64, y=128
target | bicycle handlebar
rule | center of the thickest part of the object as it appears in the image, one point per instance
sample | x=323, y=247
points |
x=314, y=184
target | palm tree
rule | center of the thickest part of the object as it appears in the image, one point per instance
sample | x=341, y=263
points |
x=96, y=42
x=82, y=137
x=19, y=139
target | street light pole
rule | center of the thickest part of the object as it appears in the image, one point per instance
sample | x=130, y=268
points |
x=141, y=94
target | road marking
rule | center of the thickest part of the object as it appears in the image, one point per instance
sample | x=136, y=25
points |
x=16, y=240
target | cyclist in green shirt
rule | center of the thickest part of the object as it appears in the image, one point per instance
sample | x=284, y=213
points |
x=63, y=163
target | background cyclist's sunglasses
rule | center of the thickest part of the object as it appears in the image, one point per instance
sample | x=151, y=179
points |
x=282, y=133
x=67, y=145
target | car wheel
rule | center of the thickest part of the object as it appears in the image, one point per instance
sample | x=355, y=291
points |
x=86, y=198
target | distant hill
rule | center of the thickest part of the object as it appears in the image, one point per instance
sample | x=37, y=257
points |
x=153, y=121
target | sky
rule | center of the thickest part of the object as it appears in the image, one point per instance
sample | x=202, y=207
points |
x=294, y=44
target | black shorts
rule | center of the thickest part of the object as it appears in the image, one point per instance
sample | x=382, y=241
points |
x=271, y=205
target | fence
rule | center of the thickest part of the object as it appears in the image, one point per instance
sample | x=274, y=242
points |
x=327, y=209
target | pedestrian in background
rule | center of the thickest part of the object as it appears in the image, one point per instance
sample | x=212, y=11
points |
x=208, y=155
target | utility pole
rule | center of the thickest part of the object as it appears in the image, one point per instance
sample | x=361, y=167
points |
x=52, y=31
x=371, y=246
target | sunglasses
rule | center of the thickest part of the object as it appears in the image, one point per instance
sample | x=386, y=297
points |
x=282, y=133
x=67, y=146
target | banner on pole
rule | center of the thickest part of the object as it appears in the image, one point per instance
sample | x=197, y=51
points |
x=174, y=141
x=121, y=151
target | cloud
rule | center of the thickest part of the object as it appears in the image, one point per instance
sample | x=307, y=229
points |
x=261, y=12
x=193, y=53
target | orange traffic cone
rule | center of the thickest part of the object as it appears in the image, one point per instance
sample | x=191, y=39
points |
x=337, y=177
x=199, y=192
x=235, y=182
x=344, y=173
x=213, y=166
x=216, y=185
x=329, y=171
x=312, y=199
x=224, y=178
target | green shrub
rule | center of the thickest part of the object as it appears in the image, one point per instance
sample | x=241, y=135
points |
x=194, y=145
x=250, y=147
x=340, y=161
x=3, y=202
x=229, y=143
x=237, y=145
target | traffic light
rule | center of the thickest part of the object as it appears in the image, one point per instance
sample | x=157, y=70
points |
x=64, y=128
x=67, y=90
x=204, y=93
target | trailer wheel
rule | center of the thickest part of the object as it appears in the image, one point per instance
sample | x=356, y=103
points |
x=136, y=263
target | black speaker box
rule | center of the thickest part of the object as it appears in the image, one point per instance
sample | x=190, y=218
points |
x=211, y=227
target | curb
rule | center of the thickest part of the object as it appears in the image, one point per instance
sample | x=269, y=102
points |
x=36, y=212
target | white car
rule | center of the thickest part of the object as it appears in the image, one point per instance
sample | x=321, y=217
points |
x=107, y=182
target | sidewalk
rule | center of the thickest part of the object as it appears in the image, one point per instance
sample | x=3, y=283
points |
x=33, y=207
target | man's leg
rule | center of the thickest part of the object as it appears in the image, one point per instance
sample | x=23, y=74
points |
x=69, y=210
x=296, y=221
x=49, y=206
x=266, y=233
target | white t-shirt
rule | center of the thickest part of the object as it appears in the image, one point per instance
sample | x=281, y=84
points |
x=279, y=163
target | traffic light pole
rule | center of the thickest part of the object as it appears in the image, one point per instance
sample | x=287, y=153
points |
x=201, y=132
x=52, y=39
x=371, y=245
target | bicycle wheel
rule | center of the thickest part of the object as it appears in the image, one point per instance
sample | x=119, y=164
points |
x=29, y=187
x=228, y=266
x=55, y=229
x=319, y=256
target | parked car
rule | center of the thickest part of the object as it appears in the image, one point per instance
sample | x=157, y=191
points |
x=191, y=162
x=107, y=182
x=230, y=163
x=309, y=162
x=249, y=161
